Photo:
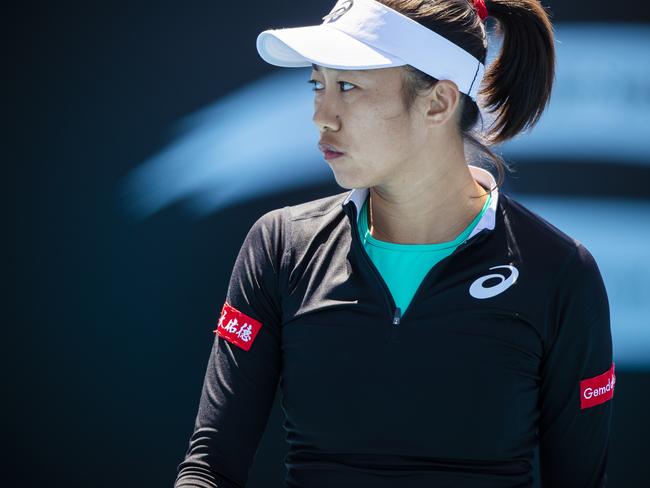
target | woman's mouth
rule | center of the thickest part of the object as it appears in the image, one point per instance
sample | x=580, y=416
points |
x=329, y=152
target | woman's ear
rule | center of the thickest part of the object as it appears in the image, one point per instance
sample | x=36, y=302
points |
x=442, y=102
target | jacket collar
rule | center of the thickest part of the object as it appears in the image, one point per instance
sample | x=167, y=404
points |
x=483, y=177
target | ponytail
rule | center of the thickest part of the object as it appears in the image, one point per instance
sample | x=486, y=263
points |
x=517, y=84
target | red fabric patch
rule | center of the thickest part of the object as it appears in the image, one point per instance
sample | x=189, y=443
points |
x=237, y=327
x=597, y=390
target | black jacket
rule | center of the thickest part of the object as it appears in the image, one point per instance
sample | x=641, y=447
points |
x=455, y=392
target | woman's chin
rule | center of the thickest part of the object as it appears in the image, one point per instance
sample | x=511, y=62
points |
x=347, y=181
x=349, y=175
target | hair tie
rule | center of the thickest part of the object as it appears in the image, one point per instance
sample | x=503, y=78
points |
x=481, y=9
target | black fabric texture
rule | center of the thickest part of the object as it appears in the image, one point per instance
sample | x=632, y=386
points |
x=458, y=393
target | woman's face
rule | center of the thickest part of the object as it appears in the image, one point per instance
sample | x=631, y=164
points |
x=362, y=114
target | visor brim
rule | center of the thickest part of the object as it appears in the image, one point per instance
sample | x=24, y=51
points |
x=322, y=45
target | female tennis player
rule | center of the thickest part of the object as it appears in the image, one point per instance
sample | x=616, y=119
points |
x=425, y=329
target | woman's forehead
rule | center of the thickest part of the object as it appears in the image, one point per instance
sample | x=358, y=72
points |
x=378, y=72
x=319, y=68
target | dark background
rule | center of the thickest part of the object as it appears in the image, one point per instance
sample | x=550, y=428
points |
x=109, y=324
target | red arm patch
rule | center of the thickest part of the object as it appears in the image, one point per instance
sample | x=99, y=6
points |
x=597, y=390
x=237, y=327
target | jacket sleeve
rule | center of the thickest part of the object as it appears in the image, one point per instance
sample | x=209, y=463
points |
x=244, y=365
x=577, y=379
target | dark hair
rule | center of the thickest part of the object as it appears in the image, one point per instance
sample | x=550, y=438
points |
x=518, y=82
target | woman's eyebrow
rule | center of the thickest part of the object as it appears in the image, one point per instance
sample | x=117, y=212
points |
x=318, y=69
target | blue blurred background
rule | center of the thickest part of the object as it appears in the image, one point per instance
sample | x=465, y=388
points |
x=143, y=139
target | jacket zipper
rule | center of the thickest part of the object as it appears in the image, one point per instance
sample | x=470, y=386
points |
x=440, y=265
x=395, y=312
x=397, y=317
x=393, y=309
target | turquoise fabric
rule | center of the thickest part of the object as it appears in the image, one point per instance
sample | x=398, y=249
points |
x=403, y=266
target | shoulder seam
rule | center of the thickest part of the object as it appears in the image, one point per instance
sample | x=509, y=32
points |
x=337, y=203
x=554, y=286
x=287, y=238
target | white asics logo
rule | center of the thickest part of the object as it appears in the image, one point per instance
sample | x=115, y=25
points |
x=336, y=13
x=477, y=290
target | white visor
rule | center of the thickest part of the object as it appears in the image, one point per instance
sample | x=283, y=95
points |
x=365, y=34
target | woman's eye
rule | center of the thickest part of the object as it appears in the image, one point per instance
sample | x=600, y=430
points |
x=317, y=85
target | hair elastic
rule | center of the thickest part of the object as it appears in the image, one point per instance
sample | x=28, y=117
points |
x=481, y=9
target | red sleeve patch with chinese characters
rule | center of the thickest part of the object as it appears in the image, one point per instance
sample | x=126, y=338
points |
x=597, y=390
x=237, y=327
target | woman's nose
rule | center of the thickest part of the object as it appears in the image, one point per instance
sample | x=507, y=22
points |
x=325, y=117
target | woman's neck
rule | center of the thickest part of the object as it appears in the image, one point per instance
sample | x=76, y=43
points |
x=427, y=211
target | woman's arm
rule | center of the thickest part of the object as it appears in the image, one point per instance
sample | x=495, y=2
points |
x=577, y=379
x=244, y=366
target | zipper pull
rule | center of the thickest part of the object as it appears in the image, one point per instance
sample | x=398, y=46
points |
x=397, y=317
